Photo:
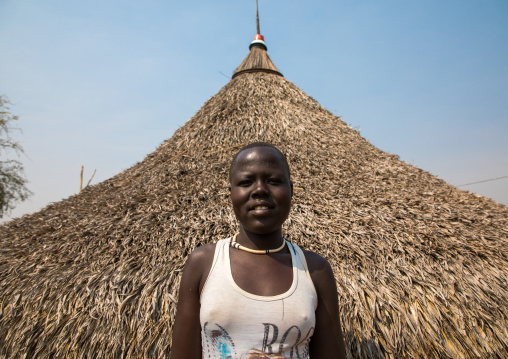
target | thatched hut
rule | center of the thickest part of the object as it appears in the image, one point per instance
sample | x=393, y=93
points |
x=421, y=266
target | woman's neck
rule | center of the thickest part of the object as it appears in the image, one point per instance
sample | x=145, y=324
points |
x=259, y=241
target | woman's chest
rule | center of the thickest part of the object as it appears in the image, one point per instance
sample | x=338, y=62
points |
x=262, y=275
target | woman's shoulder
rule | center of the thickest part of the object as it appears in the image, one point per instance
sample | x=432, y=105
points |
x=201, y=255
x=315, y=262
x=319, y=269
x=199, y=263
x=203, y=250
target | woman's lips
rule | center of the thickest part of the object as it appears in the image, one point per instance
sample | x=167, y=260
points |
x=260, y=207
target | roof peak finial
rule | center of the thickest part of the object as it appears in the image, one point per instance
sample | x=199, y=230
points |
x=258, y=41
x=257, y=19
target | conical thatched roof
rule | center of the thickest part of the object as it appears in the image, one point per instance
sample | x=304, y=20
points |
x=421, y=266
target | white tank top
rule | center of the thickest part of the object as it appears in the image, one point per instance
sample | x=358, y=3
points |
x=236, y=324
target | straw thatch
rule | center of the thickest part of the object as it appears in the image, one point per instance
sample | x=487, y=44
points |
x=421, y=266
x=257, y=61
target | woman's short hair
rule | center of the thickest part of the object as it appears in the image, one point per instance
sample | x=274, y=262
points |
x=261, y=144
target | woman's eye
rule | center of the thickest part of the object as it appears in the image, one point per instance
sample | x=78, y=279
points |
x=274, y=181
x=244, y=183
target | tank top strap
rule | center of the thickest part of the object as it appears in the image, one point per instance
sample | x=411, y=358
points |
x=219, y=261
x=301, y=263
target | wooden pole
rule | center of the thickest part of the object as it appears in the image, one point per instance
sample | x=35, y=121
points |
x=81, y=179
x=91, y=178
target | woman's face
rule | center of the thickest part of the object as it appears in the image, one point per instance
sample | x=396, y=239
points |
x=260, y=190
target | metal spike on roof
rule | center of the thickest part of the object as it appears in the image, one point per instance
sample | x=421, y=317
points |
x=259, y=40
x=257, y=18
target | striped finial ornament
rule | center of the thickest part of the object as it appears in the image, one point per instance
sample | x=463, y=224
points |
x=237, y=245
x=259, y=40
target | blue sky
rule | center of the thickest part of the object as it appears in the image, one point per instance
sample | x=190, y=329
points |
x=104, y=83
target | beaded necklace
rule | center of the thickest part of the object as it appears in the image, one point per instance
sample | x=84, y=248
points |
x=235, y=244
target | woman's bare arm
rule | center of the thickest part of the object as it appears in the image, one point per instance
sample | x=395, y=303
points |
x=327, y=340
x=186, y=339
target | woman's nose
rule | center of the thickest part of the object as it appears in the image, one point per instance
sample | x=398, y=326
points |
x=260, y=188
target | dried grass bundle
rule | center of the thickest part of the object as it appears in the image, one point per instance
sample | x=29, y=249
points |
x=421, y=266
x=257, y=61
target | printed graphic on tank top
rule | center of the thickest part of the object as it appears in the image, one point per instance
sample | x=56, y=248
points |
x=240, y=325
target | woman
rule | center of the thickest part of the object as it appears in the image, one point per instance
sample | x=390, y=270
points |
x=256, y=295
